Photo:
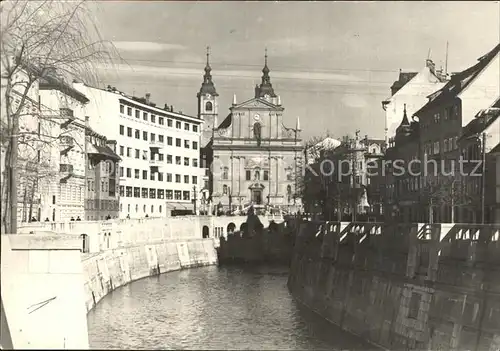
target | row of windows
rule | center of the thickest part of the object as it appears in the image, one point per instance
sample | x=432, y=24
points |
x=256, y=174
x=161, y=120
x=449, y=144
x=95, y=204
x=161, y=138
x=143, y=208
x=106, y=187
x=151, y=193
x=449, y=113
x=160, y=157
x=159, y=176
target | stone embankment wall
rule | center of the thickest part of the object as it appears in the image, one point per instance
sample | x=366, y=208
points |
x=417, y=286
x=111, y=269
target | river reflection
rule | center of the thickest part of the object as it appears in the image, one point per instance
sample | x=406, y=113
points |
x=212, y=308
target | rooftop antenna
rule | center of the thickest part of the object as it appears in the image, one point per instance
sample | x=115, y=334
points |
x=429, y=54
x=446, y=61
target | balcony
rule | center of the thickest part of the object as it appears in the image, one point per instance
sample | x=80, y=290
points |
x=155, y=144
x=156, y=164
x=66, y=143
x=66, y=115
x=66, y=171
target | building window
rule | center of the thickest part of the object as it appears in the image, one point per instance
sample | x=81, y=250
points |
x=137, y=153
x=137, y=114
x=195, y=179
x=161, y=121
x=122, y=150
x=266, y=175
x=208, y=106
x=195, y=162
x=186, y=179
x=437, y=117
x=177, y=142
x=137, y=192
x=257, y=175
x=225, y=172
x=129, y=173
x=129, y=191
x=195, y=128
x=177, y=178
x=129, y=151
x=169, y=177
x=145, y=155
x=414, y=305
x=185, y=195
x=145, y=116
x=152, y=176
x=224, y=190
x=136, y=173
x=436, y=147
x=122, y=109
x=122, y=130
x=129, y=111
x=169, y=140
x=186, y=161
x=121, y=171
x=122, y=190
x=152, y=193
x=169, y=194
x=177, y=160
x=160, y=138
x=178, y=195
x=195, y=145
x=137, y=134
x=145, y=136
x=144, y=192
x=186, y=126
x=169, y=159
x=248, y=175
x=161, y=193
x=153, y=137
x=178, y=125
x=169, y=123
x=160, y=177
x=153, y=119
x=186, y=144
x=129, y=131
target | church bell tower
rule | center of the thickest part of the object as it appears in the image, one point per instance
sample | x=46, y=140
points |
x=208, y=105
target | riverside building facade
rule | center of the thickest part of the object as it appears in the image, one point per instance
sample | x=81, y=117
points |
x=159, y=173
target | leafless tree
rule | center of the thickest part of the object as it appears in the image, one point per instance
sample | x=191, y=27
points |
x=38, y=38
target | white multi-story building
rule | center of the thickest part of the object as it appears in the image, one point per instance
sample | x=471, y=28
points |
x=160, y=171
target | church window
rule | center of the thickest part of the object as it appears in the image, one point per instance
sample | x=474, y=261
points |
x=288, y=189
x=224, y=189
x=208, y=106
x=225, y=172
x=257, y=132
x=266, y=175
x=248, y=175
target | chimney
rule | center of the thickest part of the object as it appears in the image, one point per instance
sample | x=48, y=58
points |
x=171, y=108
x=430, y=64
x=165, y=107
x=148, y=96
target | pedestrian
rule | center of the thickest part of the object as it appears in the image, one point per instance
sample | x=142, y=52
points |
x=78, y=218
x=72, y=219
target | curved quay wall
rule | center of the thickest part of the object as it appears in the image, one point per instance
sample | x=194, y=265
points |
x=54, y=273
x=417, y=286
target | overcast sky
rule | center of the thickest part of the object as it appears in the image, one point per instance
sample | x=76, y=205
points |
x=332, y=63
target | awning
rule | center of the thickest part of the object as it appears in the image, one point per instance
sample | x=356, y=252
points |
x=104, y=151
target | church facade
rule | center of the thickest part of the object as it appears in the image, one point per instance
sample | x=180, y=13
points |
x=252, y=157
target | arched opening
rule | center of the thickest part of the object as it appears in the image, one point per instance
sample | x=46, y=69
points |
x=243, y=228
x=159, y=209
x=53, y=215
x=85, y=243
x=224, y=189
x=209, y=106
x=144, y=208
x=206, y=232
x=230, y=228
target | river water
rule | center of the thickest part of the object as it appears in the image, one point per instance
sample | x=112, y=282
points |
x=212, y=308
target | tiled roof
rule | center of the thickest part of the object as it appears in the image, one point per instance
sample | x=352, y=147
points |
x=459, y=81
